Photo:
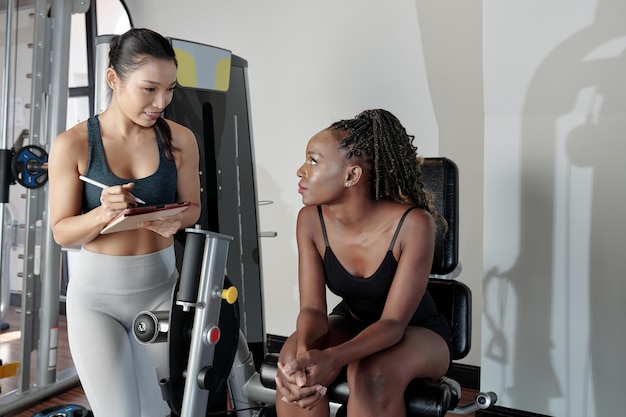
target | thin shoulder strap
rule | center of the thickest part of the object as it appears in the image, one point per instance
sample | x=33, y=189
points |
x=159, y=141
x=93, y=128
x=319, y=211
x=395, y=235
x=97, y=158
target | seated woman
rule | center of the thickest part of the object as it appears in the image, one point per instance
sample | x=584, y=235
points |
x=368, y=232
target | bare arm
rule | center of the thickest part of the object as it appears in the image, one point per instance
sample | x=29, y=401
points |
x=69, y=226
x=312, y=322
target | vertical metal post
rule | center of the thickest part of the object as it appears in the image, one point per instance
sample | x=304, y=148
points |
x=206, y=319
x=61, y=14
x=32, y=210
x=5, y=157
x=7, y=74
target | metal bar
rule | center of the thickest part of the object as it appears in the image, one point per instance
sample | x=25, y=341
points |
x=15, y=400
x=7, y=74
x=28, y=323
x=5, y=133
x=206, y=316
x=91, y=33
x=61, y=14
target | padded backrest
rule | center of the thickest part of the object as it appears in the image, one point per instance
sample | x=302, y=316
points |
x=453, y=298
x=454, y=302
x=440, y=176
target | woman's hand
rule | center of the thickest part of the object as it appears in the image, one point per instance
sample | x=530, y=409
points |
x=165, y=226
x=314, y=367
x=294, y=388
x=116, y=199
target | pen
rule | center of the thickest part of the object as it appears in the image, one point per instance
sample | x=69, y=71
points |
x=103, y=186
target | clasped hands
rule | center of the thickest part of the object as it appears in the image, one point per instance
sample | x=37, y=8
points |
x=303, y=381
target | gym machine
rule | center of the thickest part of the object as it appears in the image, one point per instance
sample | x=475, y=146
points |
x=26, y=165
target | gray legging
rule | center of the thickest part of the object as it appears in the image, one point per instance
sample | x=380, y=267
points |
x=105, y=293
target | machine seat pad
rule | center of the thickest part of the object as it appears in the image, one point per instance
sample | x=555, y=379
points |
x=423, y=398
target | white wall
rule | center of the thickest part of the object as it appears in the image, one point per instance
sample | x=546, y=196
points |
x=555, y=104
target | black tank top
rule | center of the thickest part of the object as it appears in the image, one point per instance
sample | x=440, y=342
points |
x=158, y=188
x=366, y=297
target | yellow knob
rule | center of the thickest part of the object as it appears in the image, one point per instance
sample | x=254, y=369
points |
x=230, y=295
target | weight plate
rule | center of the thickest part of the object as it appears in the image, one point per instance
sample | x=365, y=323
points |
x=29, y=167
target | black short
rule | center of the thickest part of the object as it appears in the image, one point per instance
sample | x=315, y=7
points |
x=435, y=322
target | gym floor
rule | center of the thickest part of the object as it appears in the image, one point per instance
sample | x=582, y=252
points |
x=10, y=352
x=10, y=347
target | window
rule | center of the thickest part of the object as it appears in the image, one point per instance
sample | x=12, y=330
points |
x=104, y=17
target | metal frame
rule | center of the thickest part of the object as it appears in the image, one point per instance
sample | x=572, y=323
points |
x=42, y=256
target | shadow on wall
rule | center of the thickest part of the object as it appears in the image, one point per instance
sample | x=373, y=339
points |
x=451, y=40
x=583, y=75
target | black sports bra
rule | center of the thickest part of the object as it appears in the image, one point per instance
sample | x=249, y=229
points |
x=158, y=188
x=366, y=297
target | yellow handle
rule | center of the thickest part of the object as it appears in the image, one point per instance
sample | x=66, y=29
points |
x=9, y=369
x=230, y=295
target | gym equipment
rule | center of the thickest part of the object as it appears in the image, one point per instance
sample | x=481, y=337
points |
x=9, y=232
x=212, y=101
x=42, y=256
x=29, y=166
x=199, y=327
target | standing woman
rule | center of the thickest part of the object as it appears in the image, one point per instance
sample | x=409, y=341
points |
x=131, y=148
x=367, y=231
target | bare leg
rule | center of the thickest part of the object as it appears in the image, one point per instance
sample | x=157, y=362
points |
x=377, y=383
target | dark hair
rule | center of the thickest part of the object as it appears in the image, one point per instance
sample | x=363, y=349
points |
x=133, y=49
x=380, y=140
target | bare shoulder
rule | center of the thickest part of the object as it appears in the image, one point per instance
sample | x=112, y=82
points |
x=421, y=215
x=75, y=139
x=308, y=219
x=418, y=220
x=182, y=136
x=307, y=213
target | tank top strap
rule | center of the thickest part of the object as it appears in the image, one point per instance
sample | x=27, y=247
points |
x=159, y=141
x=395, y=235
x=97, y=159
x=319, y=211
x=93, y=133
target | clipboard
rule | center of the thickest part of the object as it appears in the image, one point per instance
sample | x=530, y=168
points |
x=130, y=218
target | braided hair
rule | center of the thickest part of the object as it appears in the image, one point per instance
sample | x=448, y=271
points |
x=130, y=51
x=380, y=140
